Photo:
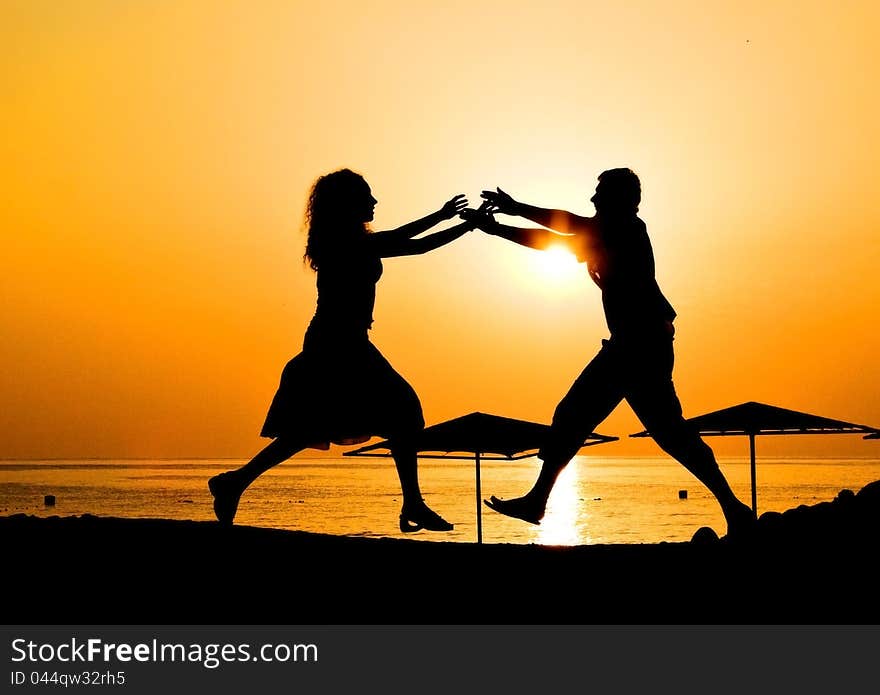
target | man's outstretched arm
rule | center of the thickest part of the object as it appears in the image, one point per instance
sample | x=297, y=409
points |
x=534, y=238
x=559, y=220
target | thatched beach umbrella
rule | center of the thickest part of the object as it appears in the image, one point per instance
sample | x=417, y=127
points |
x=481, y=437
x=753, y=419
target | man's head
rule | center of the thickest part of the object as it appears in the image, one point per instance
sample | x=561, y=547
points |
x=618, y=192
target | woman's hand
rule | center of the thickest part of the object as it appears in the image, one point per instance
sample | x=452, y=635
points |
x=453, y=207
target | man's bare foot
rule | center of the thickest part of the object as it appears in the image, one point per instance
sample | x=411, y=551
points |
x=741, y=521
x=519, y=508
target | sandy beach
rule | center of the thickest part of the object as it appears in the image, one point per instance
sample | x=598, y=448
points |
x=809, y=565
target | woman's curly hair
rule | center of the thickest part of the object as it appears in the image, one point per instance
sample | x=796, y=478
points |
x=329, y=218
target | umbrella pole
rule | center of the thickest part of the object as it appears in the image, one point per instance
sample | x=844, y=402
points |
x=754, y=476
x=479, y=496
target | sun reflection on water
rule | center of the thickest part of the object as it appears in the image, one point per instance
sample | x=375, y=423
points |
x=565, y=512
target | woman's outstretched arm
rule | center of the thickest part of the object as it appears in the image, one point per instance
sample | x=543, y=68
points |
x=387, y=247
x=415, y=247
x=450, y=209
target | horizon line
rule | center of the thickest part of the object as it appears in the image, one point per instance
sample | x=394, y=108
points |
x=8, y=459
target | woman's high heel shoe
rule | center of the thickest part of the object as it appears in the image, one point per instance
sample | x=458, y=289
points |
x=412, y=520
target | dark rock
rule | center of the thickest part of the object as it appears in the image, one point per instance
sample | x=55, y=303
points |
x=845, y=496
x=870, y=493
x=704, y=536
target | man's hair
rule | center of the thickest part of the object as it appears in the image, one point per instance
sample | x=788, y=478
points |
x=622, y=189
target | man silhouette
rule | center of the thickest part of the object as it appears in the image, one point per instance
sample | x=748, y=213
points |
x=635, y=363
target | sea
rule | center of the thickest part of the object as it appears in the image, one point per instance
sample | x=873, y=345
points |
x=595, y=501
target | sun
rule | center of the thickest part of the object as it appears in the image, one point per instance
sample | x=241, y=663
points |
x=556, y=265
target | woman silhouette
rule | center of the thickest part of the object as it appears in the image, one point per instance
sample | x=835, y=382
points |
x=340, y=389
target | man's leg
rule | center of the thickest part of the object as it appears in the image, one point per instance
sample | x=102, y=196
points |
x=591, y=398
x=652, y=396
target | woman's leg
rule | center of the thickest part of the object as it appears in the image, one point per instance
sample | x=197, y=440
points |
x=227, y=488
x=407, y=463
x=398, y=415
x=414, y=513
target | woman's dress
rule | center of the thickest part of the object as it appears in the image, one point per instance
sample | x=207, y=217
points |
x=340, y=389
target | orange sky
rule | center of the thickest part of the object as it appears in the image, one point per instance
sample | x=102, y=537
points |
x=157, y=156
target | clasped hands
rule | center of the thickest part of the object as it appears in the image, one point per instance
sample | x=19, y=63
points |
x=483, y=217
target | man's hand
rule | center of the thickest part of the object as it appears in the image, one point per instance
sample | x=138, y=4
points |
x=500, y=201
x=453, y=206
